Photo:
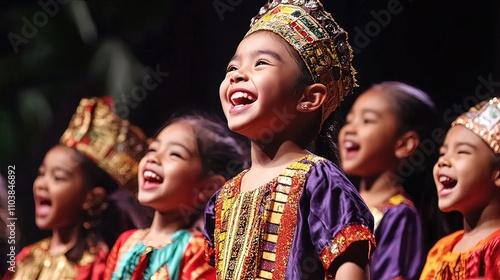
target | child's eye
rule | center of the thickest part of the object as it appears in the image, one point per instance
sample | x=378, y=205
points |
x=261, y=62
x=39, y=173
x=463, y=152
x=368, y=121
x=174, y=154
x=150, y=150
x=231, y=68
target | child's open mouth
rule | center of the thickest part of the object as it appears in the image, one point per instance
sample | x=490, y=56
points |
x=447, y=182
x=43, y=206
x=351, y=149
x=448, y=185
x=151, y=180
x=240, y=99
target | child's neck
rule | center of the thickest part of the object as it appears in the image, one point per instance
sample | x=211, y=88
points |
x=265, y=156
x=164, y=225
x=268, y=162
x=478, y=225
x=379, y=188
x=63, y=239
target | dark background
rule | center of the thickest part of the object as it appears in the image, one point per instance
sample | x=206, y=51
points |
x=447, y=48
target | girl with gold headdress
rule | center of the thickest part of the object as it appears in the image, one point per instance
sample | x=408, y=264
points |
x=467, y=177
x=292, y=214
x=97, y=154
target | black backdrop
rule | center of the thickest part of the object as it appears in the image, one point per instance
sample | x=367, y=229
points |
x=450, y=49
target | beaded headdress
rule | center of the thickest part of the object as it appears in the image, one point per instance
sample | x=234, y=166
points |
x=484, y=120
x=113, y=144
x=321, y=43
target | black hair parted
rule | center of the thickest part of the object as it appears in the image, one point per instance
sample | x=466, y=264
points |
x=222, y=152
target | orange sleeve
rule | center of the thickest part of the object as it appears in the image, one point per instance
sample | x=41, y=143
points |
x=113, y=260
x=96, y=269
x=194, y=264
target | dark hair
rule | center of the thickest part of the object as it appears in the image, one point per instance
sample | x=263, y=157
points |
x=221, y=151
x=106, y=220
x=324, y=143
x=414, y=109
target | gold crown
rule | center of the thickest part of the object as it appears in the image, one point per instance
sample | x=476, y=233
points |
x=113, y=144
x=320, y=41
x=484, y=120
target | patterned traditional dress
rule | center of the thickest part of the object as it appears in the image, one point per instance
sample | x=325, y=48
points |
x=480, y=262
x=35, y=262
x=398, y=232
x=293, y=227
x=182, y=258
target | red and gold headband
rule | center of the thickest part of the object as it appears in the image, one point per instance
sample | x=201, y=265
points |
x=320, y=41
x=113, y=144
x=484, y=120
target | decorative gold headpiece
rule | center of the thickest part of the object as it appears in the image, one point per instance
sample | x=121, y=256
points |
x=484, y=120
x=320, y=41
x=113, y=144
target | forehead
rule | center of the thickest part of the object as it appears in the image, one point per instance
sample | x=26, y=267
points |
x=460, y=133
x=62, y=156
x=181, y=131
x=264, y=40
x=373, y=100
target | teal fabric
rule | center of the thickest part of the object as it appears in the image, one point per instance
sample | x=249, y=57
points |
x=169, y=255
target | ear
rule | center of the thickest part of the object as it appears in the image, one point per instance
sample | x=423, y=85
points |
x=496, y=177
x=312, y=98
x=212, y=184
x=406, y=144
x=95, y=197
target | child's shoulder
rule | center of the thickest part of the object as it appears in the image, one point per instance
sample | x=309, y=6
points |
x=42, y=245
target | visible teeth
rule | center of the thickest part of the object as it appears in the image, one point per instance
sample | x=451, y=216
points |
x=239, y=94
x=350, y=144
x=443, y=179
x=151, y=175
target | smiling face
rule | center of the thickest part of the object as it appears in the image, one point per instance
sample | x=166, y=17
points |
x=170, y=174
x=59, y=190
x=367, y=140
x=464, y=172
x=260, y=81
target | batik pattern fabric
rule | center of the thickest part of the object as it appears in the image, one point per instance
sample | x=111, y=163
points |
x=35, y=262
x=293, y=227
x=398, y=233
x=479, y=262
x=182, y=258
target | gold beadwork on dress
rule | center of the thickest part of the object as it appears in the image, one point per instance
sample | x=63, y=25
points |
x=39, y=264
x=253, y=242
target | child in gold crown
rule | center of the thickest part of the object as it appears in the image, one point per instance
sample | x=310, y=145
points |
x=97, y=154
x=292, y=214
x=467, y=176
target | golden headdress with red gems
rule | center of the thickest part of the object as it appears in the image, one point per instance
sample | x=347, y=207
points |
x=320, y=41
x=113, y=144
x=484, y=120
